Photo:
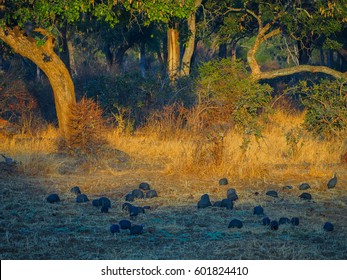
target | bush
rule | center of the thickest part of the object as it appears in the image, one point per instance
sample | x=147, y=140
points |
x=85, y=135
x=325, y=102
x=230, y=94
x=18, y=105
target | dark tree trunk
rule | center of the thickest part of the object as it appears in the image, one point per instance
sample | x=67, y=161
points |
x=120, y=53
x=64, y=55
x=304, y=48
x=222, y=52
x=109, y=56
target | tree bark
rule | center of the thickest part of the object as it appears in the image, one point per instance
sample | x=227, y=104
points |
x=72, y=63
x=190, y=47
x=49, y=62
x=173, y=59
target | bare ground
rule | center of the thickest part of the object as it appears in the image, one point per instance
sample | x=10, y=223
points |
x=31, y=228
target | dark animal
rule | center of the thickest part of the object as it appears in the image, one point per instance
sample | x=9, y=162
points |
x=235, y=223
x=137, y=193
x=82, y=198
x=305, y=196
x=144, y=186
x=124, y=224
x=332, y=182
x=223, y=182
x=266, y=221
x=328, y=226
x=8, y=160
x=295, y=221
x=231, y=193
x=53, y=198
x=258, y=210
x=126, y=206
x=227, y=203
x=204, y=201
x=272, y=193
x=304, y=186
x=75, y=190
x=104, y=201
x=151, y=194
x=274, y=225
x=114, y=229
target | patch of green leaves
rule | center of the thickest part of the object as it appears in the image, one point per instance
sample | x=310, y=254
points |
x=224, y=83
x=326, y=107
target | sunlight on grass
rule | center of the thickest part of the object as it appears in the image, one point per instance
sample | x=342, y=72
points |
x=284, y=147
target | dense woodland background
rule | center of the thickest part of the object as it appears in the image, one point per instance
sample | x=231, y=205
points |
x=204, y=67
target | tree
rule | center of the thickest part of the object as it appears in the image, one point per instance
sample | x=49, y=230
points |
x=296, y=19
x=31, y=29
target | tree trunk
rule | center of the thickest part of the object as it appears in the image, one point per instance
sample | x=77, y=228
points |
x=173, y=52
x=64, y=54
x=109, y=56
x=190, y=47
x=233, y=50
x=48, y=61
x=72, y=63
x=119, y=57
x=222, y=50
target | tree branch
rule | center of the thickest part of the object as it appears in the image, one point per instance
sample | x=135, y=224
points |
x=271, y=34
x=301, y=68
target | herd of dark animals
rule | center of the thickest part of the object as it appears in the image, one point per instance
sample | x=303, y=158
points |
x=104, y=204
x=144, y=191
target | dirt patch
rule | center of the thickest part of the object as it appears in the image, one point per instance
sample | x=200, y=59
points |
x=31, y=228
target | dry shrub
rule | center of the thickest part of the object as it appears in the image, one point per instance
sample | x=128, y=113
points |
x=18, y=106
x=86, y=128
x=168, y=122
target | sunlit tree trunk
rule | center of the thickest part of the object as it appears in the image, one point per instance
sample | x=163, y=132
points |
x=49, y=62
x=173, y=59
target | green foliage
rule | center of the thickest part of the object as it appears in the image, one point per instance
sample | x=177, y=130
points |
x=326, y=107
x=227, y=84
x=161, y=10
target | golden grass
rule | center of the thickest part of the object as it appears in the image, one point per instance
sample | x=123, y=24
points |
x=285, y=148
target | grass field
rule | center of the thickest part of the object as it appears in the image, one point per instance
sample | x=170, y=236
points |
x=181, y=167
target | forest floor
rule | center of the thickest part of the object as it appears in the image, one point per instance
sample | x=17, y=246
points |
x=32, y=228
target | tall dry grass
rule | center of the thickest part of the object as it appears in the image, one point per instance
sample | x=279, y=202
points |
x=175, y=148
x=285, y=148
